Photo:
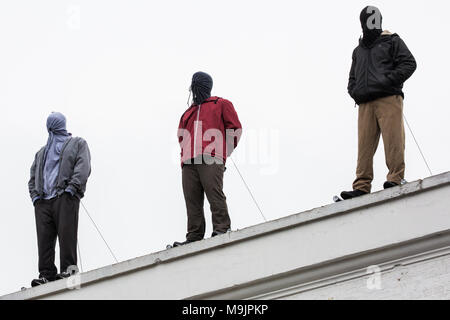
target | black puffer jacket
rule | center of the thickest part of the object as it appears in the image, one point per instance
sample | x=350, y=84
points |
x=380, y=70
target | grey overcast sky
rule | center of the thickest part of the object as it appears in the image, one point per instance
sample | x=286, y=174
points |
x=120, y=71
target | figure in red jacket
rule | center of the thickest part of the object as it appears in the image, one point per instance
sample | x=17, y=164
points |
x=208, y=132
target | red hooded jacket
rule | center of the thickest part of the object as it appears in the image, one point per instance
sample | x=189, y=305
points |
x=212, y=128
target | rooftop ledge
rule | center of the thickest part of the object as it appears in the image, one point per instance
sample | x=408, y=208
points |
x=298, y=251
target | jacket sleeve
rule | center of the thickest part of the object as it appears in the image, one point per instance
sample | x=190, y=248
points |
x=233, y=127
x=32, y=182
x=404, y=62
x=182, y=126
x=352, y=77
x=82, y=168
x=180, y=130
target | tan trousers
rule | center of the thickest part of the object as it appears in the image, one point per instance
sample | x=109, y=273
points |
x=385, y=116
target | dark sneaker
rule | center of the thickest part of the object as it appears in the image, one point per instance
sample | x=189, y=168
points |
x=352, y=194
x=70, y=271
x=179, y=244
x=38, y=282
x=63, y=275
x=389, y=184
x=217, y=233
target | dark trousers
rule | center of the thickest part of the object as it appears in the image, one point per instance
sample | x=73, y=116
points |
x=57, y=218
x=198, y=180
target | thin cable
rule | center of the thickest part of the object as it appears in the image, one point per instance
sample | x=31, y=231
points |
x=79, y=256
x=249, y=191
x=109, y=248
x=420, y=150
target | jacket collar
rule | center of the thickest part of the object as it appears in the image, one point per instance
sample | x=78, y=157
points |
x=210, y=99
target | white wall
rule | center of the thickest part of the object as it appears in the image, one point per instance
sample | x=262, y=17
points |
x=425, y=279
x=267, y=260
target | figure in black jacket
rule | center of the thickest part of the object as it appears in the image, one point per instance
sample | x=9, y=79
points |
x=381, y=64
x=57, y=183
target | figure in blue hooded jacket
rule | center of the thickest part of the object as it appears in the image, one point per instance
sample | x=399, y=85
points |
x=57, y=182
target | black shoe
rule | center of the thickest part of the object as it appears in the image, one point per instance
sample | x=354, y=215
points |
x=63, y=275
x=389, y=184
x=70, y=271
x=179, y=244
x=40, y=281
x=352, y=194
x=218, y=233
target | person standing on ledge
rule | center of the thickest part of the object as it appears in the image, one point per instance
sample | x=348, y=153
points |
x=381, y=64
x=208, y=132
x=58, y=181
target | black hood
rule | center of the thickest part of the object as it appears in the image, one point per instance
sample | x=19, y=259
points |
x=201, y=87
x=371, y=24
